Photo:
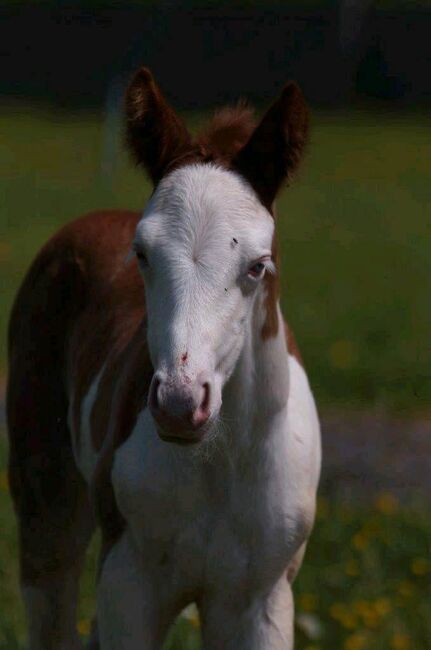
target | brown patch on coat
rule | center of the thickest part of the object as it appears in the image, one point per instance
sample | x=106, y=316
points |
x=128, y=392
x=49, y=494
x=114, y=301
x=110, y=334
x=81, y=307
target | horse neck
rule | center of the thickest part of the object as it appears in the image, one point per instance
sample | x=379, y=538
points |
x=257, y=392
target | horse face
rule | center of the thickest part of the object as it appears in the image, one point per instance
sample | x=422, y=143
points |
x=203, y=247
x=204, y=242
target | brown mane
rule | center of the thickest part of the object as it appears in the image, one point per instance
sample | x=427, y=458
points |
x=228, y=131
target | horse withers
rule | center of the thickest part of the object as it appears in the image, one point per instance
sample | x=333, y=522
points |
x=155, y=391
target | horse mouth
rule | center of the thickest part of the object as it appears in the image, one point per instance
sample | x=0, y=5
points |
x=183, y=441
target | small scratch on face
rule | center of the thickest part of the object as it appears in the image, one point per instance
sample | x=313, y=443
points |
x=234, y=242
x=184, y=357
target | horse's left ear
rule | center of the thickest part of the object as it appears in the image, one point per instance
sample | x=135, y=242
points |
x=155, y=135
x=273, y=153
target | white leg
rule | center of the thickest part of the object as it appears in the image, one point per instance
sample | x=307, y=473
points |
x=128, y=614
x=264, y=623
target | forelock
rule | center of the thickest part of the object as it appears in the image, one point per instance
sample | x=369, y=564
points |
x=205, y=187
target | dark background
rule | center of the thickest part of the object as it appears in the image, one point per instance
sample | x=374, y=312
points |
x=76, y=53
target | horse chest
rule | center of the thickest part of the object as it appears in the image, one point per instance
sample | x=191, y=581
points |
x=208, y=523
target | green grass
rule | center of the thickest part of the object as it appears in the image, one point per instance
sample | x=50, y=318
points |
x=354, y=230
x=365, y=583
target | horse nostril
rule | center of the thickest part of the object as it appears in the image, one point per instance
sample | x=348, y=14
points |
x=200, y=416
x=206, y=398
x=153, y=397
x=179, y=406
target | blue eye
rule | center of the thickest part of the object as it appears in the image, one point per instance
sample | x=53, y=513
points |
x=256, y=270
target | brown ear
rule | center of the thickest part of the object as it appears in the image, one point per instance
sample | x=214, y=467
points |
x=155, y=134
x=274, y=150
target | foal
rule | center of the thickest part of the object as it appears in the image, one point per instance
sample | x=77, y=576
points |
x=182, y=414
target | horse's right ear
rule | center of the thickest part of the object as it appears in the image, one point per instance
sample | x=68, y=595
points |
x=155, y=135
x=274, y=150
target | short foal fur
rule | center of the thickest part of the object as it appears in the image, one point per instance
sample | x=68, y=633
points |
x=179, y=419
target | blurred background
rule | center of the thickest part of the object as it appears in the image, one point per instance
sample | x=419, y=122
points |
x=355, y=240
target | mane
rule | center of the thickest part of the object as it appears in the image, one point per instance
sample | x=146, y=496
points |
x=228, y=131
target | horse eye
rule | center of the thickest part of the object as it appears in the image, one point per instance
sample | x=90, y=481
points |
x=141, y=258
x=256, y=270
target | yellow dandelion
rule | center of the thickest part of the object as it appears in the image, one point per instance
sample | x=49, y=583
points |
x=307, y=602
x=349, y=621
x=400, y=642
x=195, y=620
x=360, y=541
x=386, y=503
x=352, y=568
x=342, y=354
x=420, y=566
x=361, y=607
x=371, y=619
x=368, y=613
x=356, y=641
x=341, y=613
x=84, y=626
x=382, y=606
x=4, y=481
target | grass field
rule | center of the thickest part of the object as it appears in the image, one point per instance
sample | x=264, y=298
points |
x=354, y=230
x=356, y=251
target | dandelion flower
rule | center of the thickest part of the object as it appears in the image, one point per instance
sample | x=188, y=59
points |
x=356, y=641
x=307, y=602
x=382, y=606
x=360, y=541
x=84, y=626
x=386, y=503
x=420, y=566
